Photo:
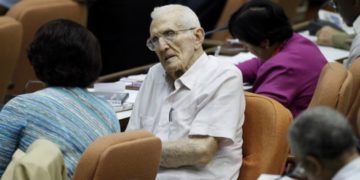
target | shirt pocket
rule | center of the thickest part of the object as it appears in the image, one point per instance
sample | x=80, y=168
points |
x=180, y=122
x=179, y=114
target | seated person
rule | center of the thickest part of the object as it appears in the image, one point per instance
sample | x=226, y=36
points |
x=66, y=56
x=193, y=102
x=332, y=36
x=329, y=36
x=350, y=12
x=287, y=66
x=324, y=144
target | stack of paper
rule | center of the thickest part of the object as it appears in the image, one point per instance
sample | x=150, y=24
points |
x=115, y=94
x=133, y=82
x=109, y=87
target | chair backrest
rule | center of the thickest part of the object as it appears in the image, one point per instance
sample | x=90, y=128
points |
x=265, y=147
x=32, y=14
x=128, y=155
x=355, y=106
x=42, y=160
x=334, y=88
x=10, y=38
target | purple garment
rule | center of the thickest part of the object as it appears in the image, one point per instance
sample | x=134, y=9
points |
x=290, y=76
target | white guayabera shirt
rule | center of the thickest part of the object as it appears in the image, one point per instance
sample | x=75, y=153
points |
x=208, y=99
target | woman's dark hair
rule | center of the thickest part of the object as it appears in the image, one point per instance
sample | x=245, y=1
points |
x=64, y=53
x=258, y=20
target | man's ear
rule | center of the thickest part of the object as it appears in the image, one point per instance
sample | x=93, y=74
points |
x=265, y=44
x=313, y=165
x=199, y=37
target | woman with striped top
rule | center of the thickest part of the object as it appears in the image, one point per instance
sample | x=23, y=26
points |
x=67, y=58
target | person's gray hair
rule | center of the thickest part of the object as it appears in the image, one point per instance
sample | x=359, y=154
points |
x=322, y=133
x=184, y=15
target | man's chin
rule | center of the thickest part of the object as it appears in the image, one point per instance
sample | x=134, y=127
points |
x=171, y=67
x=174, y=73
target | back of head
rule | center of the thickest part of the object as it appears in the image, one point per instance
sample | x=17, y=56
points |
x=323, y=133
x=64, y=53
x=185, y=17
x=258, y=20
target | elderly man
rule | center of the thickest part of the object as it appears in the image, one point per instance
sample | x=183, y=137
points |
x=193, y=102
x=350, y=12
x=323, y=142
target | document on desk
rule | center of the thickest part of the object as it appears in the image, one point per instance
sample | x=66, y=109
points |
x=116, y=94
x=273, y=177
x=109, y=87
x=131, y=100
x=241, y=57
x=333, y=54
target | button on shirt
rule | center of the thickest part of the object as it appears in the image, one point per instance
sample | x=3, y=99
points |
x=207, y=99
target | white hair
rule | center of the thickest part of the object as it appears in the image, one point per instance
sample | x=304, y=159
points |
x=321, y=132
x=184, y=15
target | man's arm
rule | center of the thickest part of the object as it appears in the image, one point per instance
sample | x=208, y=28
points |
x=249, y=69
x=329, y=36
x=188, y=151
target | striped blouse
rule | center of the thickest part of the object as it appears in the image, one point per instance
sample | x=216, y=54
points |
x=70, y=117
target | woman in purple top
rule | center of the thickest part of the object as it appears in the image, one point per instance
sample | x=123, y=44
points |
x=287, y=66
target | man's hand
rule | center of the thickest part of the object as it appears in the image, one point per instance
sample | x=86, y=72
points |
x=325, y=35
x=197, y=150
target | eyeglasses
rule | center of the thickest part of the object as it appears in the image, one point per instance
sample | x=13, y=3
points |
x=153, y=42
x=332, y=3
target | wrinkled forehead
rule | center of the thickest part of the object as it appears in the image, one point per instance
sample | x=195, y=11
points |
x=161, y=24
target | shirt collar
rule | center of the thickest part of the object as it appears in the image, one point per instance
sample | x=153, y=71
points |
x=357, y=25
x=347, y=170
x=189, y=77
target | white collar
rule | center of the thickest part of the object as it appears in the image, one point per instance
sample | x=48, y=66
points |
x=189, y=77
x=351, y=168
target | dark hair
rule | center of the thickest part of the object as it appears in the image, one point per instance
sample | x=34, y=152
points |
x=258, y=20
x=64, y=53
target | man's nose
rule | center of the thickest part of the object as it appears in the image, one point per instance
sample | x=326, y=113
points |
x=163, y=44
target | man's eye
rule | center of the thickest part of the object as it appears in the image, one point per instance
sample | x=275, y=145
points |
x=169, y=33
x=155, y=39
